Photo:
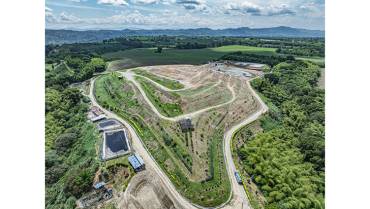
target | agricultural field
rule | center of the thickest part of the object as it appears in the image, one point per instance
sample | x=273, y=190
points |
x=247, y=49
x=193, y=160
x=148, y=56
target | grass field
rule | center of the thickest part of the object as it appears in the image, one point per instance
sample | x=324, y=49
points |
x=170, y=109
x=251, y=49
x=317, y=60
x=147, y=56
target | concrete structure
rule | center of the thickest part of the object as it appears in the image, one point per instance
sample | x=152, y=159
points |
x=115, y=144
x=185, y=125
x=109, y=124
x=256, y=66
x=136, y=162
x=95, y=114
x=249, y=65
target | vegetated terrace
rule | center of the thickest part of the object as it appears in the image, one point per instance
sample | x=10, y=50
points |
x=174, y=103
x=192, y=160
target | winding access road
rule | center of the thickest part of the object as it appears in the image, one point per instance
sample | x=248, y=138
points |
x=130, y=76
x=238, y=198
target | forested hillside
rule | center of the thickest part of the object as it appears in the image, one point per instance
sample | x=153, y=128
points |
x=70, y=139
x=287, y=159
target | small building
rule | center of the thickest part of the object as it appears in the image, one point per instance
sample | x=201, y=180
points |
x=97, y=118
x=186, y=125
x=109, y=124
x=256, y=66
x=95, y=114
x=99, y=185
x=136, y=162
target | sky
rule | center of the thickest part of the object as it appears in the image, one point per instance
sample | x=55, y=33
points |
x=176, y=14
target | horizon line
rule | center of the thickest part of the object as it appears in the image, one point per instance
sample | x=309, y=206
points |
x=97, y=29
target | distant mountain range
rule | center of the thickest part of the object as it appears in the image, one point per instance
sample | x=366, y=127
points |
x=72, y=36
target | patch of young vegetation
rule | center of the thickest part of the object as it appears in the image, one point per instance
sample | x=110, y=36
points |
x=171, y=84
x=117, y=172
x=195, y=91
x=287, y=160
x=166, y=108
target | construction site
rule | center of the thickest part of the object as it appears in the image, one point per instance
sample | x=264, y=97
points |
x=182, y=129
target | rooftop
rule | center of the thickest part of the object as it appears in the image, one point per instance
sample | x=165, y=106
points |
x=186, y=125
x=136, y=161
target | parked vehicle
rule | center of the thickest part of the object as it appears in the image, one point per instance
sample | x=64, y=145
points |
x=238, y=178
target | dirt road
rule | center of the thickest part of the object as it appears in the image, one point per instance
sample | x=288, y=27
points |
x=130, y=76
x=238, y=199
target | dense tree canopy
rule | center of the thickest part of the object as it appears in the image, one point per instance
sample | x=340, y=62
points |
x=258, y=58
x=70, y=147
x=287, y=160
x=292, y=88
x=279, y=168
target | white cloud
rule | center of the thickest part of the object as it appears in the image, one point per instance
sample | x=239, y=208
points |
x=280, y=10
x=48, y=10
x=246, y=7
x=312, y=9
x=146, y=1
x=113, y=2
x=65, y=17
x=49, y=17
x=187, y=14
x=193, y=4
x=258, y=10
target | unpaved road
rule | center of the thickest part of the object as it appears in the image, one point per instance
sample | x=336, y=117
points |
x=130, y=76
x=239, y=198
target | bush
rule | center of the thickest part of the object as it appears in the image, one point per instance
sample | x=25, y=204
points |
x=54, y=173
x=51, y=159
x=64, y=142
x=79, y=182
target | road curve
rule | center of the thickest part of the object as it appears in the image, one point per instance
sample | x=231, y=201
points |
x=130, y=76
x=238, y=190
x=238, y=198
x=175, y=90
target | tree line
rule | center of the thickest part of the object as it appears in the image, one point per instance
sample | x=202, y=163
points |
x=270, y=60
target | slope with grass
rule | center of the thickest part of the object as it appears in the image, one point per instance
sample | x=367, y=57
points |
x=167, y=103
x=170, y=84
